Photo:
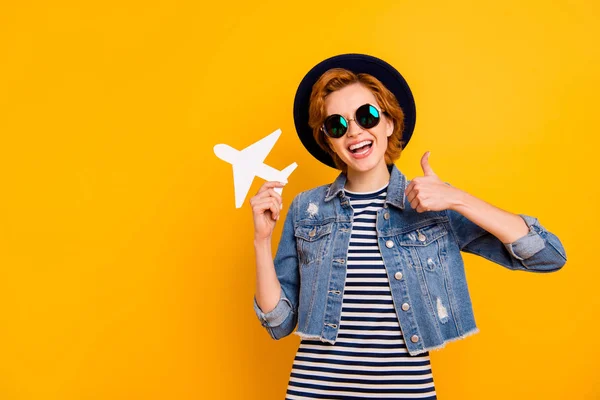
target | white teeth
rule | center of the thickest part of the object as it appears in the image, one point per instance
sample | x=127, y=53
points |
x=357, y=145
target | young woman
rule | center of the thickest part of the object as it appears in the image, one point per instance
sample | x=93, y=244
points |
x=368, y=268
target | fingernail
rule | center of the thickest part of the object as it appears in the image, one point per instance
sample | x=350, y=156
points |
x=280, y=206
x=278, y=217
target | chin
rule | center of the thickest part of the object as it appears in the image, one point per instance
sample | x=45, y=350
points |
x=363, y=165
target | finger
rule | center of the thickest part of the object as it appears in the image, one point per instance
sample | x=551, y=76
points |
x=409, y=187
x=411, y=193
x=274, y=209
x=427, y=170
x=269, y=193
x=264, y=203
x=270, y=204
x=260, y=207
x=270, y=184
x=415, y=203
x=422, y=208
x=273, y=193
x=257, y=198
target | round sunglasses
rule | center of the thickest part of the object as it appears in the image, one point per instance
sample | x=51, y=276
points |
x=366, y=116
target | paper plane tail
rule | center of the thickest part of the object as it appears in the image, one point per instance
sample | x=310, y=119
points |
x=288, y=170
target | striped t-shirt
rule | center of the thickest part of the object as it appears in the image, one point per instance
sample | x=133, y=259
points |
x=369, y=358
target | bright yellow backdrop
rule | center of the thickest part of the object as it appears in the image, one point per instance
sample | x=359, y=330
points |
x=127, y=272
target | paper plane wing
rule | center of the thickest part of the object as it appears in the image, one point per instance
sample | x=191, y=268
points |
x=258, y=151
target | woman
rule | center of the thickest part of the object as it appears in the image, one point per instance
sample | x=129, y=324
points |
x=368, y=268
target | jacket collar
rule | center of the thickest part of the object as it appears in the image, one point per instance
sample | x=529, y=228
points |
x=395, y=191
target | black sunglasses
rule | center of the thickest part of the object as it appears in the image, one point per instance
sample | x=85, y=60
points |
x=366, y=116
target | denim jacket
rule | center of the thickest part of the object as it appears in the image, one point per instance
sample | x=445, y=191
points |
x=420, y=251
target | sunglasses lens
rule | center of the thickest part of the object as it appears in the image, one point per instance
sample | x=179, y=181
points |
x=367, y=116
x=336, y=126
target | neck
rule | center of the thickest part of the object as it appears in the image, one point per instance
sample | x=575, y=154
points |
x=365, y=181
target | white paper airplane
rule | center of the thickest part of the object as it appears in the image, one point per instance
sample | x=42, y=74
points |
x=248, y=163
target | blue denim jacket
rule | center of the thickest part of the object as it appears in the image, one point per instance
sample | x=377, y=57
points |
x=420, y=251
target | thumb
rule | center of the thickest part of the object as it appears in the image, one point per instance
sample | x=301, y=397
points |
x=427, y=170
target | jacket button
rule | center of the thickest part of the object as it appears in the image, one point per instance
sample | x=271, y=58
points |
x=414, y=338
x=405, y=306
x=386, y=215
x=398, y=275
x=313, y=232
x=422, y=237
x=389, y=244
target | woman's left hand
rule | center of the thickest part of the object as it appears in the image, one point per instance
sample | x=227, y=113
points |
x=430, y=193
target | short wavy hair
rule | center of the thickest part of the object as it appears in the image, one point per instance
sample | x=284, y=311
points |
x=337, y=78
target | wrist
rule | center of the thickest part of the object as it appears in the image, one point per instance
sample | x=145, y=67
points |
x=459, y=200
x=262, y=242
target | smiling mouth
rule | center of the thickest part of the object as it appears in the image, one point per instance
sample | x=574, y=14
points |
x=361, y=147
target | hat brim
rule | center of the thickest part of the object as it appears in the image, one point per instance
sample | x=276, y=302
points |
x=357, y=63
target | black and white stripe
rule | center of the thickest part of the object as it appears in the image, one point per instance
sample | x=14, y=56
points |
x=369, y=358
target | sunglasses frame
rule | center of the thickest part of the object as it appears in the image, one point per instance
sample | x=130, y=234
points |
x=352, y=119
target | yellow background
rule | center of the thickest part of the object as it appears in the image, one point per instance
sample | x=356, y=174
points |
x=127, y=272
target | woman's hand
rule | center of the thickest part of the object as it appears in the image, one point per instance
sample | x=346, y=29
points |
x=430, y=193
x=266, y=205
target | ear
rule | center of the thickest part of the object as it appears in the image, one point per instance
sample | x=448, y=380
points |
x=389, y=127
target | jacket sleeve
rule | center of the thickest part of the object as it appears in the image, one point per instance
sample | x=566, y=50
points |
x=537, y=251
x=282, y=320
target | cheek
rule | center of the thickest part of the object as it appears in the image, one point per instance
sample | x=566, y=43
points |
x=383, y=141
x=336, y=147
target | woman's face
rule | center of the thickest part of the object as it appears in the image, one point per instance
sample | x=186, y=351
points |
x=345, y=102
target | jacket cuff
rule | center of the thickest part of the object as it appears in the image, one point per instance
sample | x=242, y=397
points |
x=528, y=245
x=276, y=316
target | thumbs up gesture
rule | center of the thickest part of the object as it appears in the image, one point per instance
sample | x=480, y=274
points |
x=428, y=192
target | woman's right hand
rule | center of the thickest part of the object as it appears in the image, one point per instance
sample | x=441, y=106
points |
x=266, y=206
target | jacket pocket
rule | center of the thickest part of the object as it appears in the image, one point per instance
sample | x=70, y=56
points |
x=426, y=245
x=312, y=241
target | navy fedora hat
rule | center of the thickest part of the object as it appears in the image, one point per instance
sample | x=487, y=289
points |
x=357, y=63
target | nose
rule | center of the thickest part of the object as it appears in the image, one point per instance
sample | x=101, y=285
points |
x=352, y=132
